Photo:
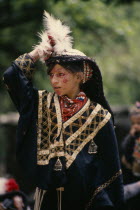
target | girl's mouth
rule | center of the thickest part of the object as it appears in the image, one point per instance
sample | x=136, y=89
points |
x=56, y=88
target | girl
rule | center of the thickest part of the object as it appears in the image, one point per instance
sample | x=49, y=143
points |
x=65, y=139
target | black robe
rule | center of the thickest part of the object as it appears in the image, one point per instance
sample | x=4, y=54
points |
x=91, y=182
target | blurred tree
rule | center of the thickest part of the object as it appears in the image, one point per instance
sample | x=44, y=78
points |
x=116, y=2
x=111, y=35
x=106, y=32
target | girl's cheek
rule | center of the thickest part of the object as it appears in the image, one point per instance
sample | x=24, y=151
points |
x=65, y=79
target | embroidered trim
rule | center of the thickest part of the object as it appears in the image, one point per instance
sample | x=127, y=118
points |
x=48, y=147
x=52, y=146
x=49, y=98
x=44, y=152
x=58, y=114
x=106, y=184
x=52, y=155
x=39, y=128
x=89, y=119
x=91, y=136
x=78, y=131
x=25, y=63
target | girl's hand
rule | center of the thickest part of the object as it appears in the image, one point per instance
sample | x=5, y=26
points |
x=34, y=55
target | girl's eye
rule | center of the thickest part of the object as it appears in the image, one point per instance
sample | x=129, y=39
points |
x=61, y=74
x=51, y=75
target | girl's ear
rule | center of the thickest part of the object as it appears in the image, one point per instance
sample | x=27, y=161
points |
x=80, y=76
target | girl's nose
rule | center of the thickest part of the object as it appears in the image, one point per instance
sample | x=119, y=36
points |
x=54, y=80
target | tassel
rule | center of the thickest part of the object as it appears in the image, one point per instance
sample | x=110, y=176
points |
x=58, y=165
x=59, y=192
x=92, y=148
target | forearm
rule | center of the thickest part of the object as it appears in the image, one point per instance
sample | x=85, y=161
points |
x=17, y=79
x=26, y=64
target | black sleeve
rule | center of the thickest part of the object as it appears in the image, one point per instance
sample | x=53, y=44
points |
x=18, y=80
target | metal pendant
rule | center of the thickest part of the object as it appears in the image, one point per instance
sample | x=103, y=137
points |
x=92, y=148
x=58, y=165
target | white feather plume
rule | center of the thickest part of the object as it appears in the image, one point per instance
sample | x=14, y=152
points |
x=59, y=33
x=43, y=46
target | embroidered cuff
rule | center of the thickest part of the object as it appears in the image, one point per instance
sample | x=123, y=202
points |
x=26, y=64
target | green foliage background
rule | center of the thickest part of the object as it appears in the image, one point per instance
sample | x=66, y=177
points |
x=106, y=30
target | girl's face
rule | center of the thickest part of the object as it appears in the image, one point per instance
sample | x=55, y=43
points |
x=65, y=82
x=135, y=122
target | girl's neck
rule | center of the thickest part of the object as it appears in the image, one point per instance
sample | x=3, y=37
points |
x=73, y=94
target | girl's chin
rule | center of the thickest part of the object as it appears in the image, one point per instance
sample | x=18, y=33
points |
x=58, y=92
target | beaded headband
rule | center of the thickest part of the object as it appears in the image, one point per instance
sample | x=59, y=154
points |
x=88, y=71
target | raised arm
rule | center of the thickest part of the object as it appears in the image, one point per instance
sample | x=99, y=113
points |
x=18, y=79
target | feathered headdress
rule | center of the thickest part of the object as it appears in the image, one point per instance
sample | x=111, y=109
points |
x=55, y=47
x=55, y=38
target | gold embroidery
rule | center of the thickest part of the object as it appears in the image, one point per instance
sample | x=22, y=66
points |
x=39, y=117
x=58, y=114
x=25, y=63
x=50, y=95
x=82, y=127
x=49, y=147
x=56, y=139
x=91, y=136
x=42, y=138
x=106, y=184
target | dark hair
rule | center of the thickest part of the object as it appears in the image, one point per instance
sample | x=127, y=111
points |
x=76, y=66
x=93, y=88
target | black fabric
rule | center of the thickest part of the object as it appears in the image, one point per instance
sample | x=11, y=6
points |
x=87, y=173
x=25, y=98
